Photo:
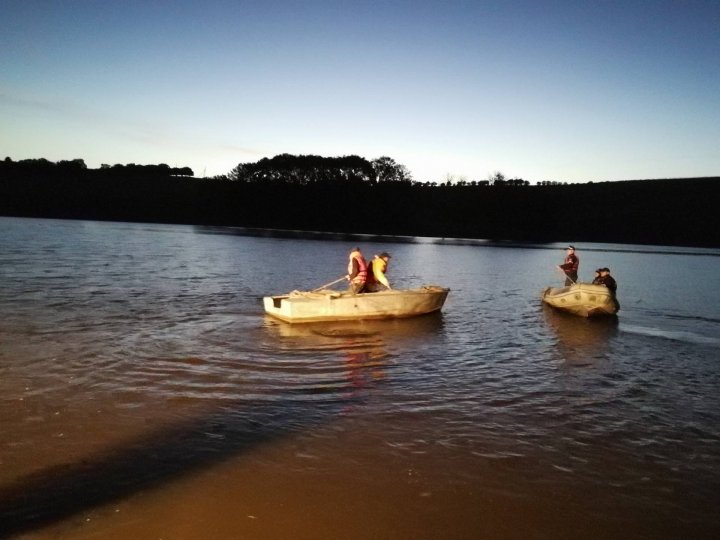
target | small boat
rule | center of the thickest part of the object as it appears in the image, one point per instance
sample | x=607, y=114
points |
x=583, y=299
x=329, y=305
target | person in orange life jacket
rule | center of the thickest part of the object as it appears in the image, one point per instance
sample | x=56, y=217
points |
x=376, y=272
x=357, y=271
x=570, y=266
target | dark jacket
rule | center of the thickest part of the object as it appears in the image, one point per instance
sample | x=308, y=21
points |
x=608, y=281
x=571, y=264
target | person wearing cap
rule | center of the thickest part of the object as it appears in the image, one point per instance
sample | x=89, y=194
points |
x=357, y=271
x=604, y=278
x=570, y=266
x=376, y=272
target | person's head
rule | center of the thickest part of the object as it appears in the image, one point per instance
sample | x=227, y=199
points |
x=570, y=249
x=385, y=256
x=354, y=250
x=599, y=271
x=604, y=271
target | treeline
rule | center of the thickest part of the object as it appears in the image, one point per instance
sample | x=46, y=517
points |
x=76, y=167
x=353, y=195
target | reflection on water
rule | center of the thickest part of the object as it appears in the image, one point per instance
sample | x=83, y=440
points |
x=363, y=347
x=580, y=339
x=391, y=329
x=145, y=395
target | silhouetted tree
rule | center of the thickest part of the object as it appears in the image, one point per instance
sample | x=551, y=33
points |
x=303, y=170
x=388, y=170
x=497, y=179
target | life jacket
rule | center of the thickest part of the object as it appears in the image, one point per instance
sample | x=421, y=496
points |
x=361, y=276
x=371, y=270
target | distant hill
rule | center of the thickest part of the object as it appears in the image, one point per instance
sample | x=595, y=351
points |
x=664, y=212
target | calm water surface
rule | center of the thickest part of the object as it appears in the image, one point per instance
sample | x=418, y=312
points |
x=143, y=393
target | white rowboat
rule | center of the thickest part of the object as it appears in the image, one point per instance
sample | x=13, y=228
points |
x=328, y=305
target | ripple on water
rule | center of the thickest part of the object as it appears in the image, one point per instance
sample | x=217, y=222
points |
x=151, y=336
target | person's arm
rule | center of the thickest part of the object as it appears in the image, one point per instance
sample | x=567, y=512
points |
x=381, y=278
x=571, y=264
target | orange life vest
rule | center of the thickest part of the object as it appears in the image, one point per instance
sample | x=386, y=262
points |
x=361, y=276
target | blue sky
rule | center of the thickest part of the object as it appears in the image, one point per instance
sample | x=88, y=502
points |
x=542, y=90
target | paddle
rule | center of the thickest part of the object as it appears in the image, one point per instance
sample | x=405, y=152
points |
x=329, y=284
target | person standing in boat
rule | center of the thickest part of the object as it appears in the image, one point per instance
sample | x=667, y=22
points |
x=570, y=266
x=357, y=271
x=376, y=273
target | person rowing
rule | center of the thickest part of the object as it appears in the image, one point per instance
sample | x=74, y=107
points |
x=377, y=270
x=357, y=271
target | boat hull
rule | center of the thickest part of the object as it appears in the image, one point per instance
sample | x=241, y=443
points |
x=582, y=299
x=327, y=305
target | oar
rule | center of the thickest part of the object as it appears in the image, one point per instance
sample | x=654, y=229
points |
x=338, y=280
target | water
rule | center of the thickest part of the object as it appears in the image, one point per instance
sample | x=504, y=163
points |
x=144, y=394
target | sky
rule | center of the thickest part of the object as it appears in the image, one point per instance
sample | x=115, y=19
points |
x=562, y=90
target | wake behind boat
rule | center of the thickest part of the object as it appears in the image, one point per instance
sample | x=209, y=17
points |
x=583, y=299
x=329, y=305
